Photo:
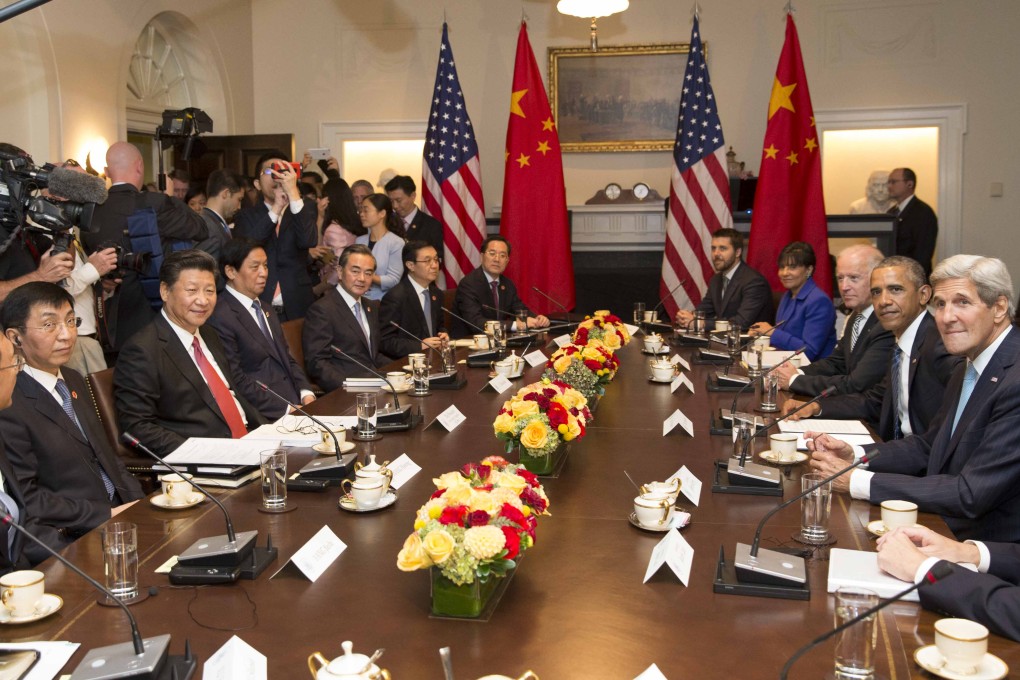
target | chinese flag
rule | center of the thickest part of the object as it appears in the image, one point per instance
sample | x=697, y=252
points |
x=788, y=203
x=534, y=217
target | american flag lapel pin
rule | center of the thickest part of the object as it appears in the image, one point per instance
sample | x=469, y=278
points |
x=995, y=378
x=74, y=395
x=434, y=298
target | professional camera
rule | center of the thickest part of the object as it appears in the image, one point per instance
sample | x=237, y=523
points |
x=182, y=124
x=126, y=261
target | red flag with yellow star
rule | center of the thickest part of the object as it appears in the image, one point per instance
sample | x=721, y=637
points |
x=788, y=203
x=534, y=214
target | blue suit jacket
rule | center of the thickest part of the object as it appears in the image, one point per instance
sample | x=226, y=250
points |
x=810, y=320
x=970, y=476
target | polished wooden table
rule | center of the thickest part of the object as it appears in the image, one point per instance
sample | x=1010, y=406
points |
x=576, y=609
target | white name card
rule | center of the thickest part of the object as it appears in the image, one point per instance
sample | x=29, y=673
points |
x=690, y=485
x=500, y=384
x=674, y=551
x=651, y=673
x=677, y=418
x=564, y=339
x=631, y=329
x=403, y=468
x=681, y=379
x=236, y=660
x=316, y=555
x=535, y=358
x=677, y=359
x=450, y=419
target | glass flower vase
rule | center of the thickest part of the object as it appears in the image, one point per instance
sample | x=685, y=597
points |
x=539, y=462
x=464, y=601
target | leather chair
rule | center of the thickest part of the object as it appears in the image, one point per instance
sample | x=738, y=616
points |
x=101, y=389
x=448, y=295
x=292, y=332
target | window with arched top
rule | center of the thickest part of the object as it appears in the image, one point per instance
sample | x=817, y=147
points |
x=157, y=77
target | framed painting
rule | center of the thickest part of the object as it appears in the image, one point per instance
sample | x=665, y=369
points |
x=623, y=98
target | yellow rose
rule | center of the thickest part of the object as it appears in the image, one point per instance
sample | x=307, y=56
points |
x=562, y=364
x=439, y=545
x=503, y=423
x=571, y=398
x=501, y=495
x=413, y=556
x=590, y=352
x=482, y=500
x=612, y=341
x=458, y=495
x=525, y=408
x=450, y=480
x=573, y=428
x=535, y=434
x=602, y=312
x=509, y=480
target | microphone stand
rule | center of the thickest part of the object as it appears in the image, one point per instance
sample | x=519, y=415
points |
x=556, y=302
x=662, y=301
x=482, y=358
x=391, y=419
x=938, y=572
x=334, y=469
x=136, y=659
x=721, y=429
x=521, y=334
x=219, y=559
x=444, y=381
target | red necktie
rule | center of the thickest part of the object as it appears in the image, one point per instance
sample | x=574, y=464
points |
x=220, y=393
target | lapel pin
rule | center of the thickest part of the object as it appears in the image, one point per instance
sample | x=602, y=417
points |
x=74, y=395
x=434, y=298
x=502, y=287
x=995, y=378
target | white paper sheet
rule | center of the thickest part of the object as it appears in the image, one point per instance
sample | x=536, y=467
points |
x=213, y=451
x=286, y=429
x=823, y=425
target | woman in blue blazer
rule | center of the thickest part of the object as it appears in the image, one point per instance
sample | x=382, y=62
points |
x=808, y=312
x=386, y=239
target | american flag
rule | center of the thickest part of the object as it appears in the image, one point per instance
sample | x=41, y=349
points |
x=699, y=194
x=451, y=173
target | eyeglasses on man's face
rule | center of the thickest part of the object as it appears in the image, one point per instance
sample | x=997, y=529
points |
x=51, y=327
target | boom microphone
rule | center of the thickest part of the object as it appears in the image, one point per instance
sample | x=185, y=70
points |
x=79, y=187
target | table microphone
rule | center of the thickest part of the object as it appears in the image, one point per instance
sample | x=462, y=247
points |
x=338, y=467
x=403, y=330
x=397, y=417
x=480, y=330
x=553, y=300
x=139, y=658
x=733, y=406
x=938, y=572
x=219, y=551
x=775, y=567
x=668, y=296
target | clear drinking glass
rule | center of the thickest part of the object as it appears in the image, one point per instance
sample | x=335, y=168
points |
x=366, y=414
x=733, y=342
x=120, y=558
x=449, y=360
x=521, y=321
x=769, y=392
x=273, y=464
x=742, y=430
x=699, y=325
x=814, y=508
x=855, y=646
x=420, y=374
x=639, y=313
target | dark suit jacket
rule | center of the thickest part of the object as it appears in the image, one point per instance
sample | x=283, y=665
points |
x=253, y=357
x=13, y=558
x=992, y=599
x=216, y=236
x=128, y=310
x=472, y=292
x=287, y=253
x=331, y=322
x=748, y=298
x=55, y=463
x=161, y=396
x=931, y=366
x=402, y=305
x=850, y=372
x=917, y=229
x=426, y=228
x=810, y=321
x=971, y=476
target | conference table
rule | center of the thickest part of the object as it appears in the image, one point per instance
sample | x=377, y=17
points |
x=577, y=606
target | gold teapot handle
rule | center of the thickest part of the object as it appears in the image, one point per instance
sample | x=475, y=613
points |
x=312, y=659
x=528, y=675
x=358, y=465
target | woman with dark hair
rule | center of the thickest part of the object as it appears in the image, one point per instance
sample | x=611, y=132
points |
x=340, y=221
x=385, y=238
x=195, y=198
x=808, y=312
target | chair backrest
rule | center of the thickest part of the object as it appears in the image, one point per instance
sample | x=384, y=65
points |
x=292, y=333
x=448, y=295
x=101, y=389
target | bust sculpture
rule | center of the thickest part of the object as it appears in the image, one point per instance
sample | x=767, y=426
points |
x=877, y=199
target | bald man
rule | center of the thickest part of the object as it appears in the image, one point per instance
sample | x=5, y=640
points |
x=128, y=309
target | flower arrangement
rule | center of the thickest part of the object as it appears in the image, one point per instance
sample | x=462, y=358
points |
x=480, y=519
x=541, y=415
x=605, y=327
x=586, y=368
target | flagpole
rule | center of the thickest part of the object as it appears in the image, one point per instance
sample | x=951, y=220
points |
x=789, y=7
x=697, y=10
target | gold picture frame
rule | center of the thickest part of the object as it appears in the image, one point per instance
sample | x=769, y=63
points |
x=611, y=100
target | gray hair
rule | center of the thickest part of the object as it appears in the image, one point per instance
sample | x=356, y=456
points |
x=915, y=272
x=988, y=274
x=868, y=254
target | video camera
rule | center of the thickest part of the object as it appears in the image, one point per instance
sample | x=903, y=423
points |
x=186, y=124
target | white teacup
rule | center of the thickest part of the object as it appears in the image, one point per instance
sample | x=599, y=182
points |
x=670, y=489
x=653, y=509
x=370, y=476
x=176, y=488
x=481, y=341
x=398, y=378
x=508, y=367
x=962, y=644
x=662, y=370
x=653, y=342
x=415, y=355
x=327, y=439
x=722, y=325
x=898, y=514
x=21, y=591
x=366, y=493
x=784, y=445
x=651, y=316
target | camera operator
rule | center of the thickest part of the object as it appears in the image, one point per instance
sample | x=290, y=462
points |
x=126, y=309
x=21, y=262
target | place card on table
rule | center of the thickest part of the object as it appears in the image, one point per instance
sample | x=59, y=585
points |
x=681, y=379
x=677, y=418
x=690, y=485
x=316, y=555
x=677, y=359
x=651, y=673
x=403, y=468
x=536, y=358
x=449, y=419
x=631, y=329
x=499, y=384
x=236, y=660
x=564, y=339
x=675, y=551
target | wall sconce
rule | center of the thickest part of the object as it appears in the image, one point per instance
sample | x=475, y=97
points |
x=592, y=9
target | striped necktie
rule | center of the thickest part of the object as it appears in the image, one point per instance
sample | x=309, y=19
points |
x=65, y=397
x=856, y=330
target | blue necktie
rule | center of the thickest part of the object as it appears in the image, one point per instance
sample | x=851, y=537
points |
x=65, y=396
x=427, y=308
x=897, y=365
x=969, y=380
x=361, y=322
x=10, y=506
x=260, y=317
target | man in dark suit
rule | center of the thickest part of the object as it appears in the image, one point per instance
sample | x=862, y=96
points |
x=861, y=356
x=128, y=310
x=917, y=228
x=172, y=380
x=71, y=479
x=345, y=318
x=224, y=191
x=907, y=404
x=419, y=226
x=486, y=288
x=251, y=333
x=990, y=596
x=12, y=501
x=966, y=466
x=736, y=293
x=284, y=224
x=415, y=304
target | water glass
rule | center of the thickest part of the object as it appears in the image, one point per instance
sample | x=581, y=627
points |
x=769, y=392
x=639, y=313
x=814, y=508
x=120, y=558
x=420, y=374
x=733, y=341
x=521, y=322
x=447, y=355
x=742, y=434
x=273, y=464
x=855, y=646
x=366, y=414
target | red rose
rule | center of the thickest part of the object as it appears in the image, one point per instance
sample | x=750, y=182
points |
x=468, y=469
x=454, y=515
x=530, y=477
x=483, y=472
x=437, y=493
x=530, y=497
x=557, y=414
x=478, y=518
x=513, y=542
x=592, y=365
x=513, y=514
